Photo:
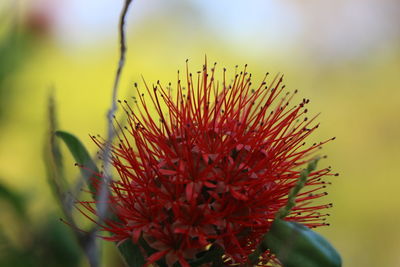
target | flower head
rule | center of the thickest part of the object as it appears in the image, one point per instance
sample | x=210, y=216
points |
x=212, y=166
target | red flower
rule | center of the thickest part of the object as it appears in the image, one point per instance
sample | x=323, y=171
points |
x=213, y=165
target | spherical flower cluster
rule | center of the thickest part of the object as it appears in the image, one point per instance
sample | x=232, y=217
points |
x=210, y=163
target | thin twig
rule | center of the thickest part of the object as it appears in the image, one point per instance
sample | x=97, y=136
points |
x=104, y=193
x=101, y=200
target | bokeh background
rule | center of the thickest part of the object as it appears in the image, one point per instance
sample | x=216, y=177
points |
x=344, y=55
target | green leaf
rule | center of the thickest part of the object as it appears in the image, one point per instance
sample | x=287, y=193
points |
x=295, y=245
x=81, y=155
x=131, y=254
x=284, y=211
x=79, y=152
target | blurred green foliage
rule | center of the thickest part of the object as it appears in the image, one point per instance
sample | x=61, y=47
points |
x=14, y=51
x=45, y=243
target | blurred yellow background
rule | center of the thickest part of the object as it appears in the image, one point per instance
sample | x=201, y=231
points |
x=343, y=55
